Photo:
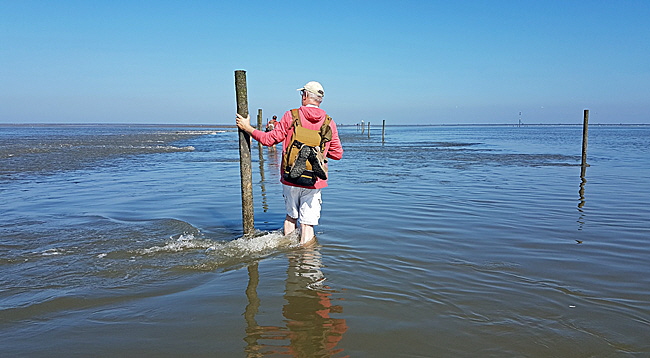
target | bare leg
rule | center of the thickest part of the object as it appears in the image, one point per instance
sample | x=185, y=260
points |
x=306, y=234
x=289, y=225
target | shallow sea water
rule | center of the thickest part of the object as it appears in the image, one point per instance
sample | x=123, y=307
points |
x=437, y=242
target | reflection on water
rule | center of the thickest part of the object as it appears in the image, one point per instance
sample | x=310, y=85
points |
x=581, y=204
x=309, y=330
x=252, y=329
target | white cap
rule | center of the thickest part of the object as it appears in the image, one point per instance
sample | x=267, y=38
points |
x=313, y=87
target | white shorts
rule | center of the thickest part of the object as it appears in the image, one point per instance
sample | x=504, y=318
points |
x=302, y=203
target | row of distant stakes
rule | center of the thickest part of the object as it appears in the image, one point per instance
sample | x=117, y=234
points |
x=362, y=126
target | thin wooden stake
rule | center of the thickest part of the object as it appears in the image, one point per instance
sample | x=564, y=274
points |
x=260, y=151
x=585, y=130
x=245, y=156
x=383, y=130
x=259, y=127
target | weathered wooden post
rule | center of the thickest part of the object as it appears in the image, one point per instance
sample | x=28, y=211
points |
x=245, y=156
x=585, y=130
x=368, y=129
x=383, y=130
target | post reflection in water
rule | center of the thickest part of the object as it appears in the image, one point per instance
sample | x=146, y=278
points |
x=252, y=329
x=308, y=330
x=581, y=204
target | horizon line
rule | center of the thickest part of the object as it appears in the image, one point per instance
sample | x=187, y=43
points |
x=338, y=124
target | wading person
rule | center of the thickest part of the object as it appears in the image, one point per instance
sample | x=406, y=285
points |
x=308, y=136
x=271, y=124
x=269, y=127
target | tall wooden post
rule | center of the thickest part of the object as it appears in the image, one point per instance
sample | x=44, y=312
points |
x=245, y=156
x=383, y=130
x=585, y=130
x=368, y=129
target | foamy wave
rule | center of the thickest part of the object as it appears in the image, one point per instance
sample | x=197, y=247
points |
x=182, y=243
x=242, y=247
x=213, y=132
x=188, y=148
x=247, y=246
x=162, y=148
x=52, y=252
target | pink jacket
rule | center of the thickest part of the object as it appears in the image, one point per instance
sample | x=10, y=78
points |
x=311, y=118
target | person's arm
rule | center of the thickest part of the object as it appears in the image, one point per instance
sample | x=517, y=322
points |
x=268, y=139
x=335, y=150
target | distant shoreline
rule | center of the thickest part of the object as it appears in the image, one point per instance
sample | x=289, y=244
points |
x=339, y=124
x=144, y=125
x=508, y=125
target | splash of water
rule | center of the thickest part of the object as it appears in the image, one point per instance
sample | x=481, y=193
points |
x=205, y=254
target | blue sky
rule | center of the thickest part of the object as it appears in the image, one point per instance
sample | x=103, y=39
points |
x=406, y=62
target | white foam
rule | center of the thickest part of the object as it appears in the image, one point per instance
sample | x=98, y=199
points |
x=182, y=243
x=163, y=148
x=261, y=243
x=204, y=132
x=51, y=252
x=188, y=148
x=264, y=242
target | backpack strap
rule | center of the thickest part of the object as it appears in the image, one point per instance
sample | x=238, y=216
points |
x=296, y=117
x=325, y=132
